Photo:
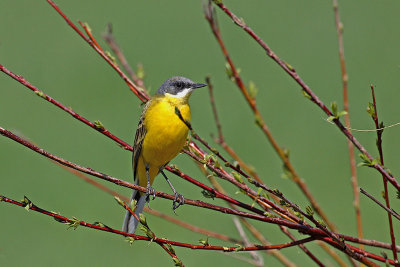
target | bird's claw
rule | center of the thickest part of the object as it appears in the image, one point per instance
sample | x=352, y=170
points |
x=150, y=192
x=179, y=200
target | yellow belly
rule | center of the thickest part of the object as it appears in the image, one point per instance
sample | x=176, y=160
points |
x=166, y=134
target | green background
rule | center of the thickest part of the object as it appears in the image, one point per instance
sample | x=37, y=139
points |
x=172, y=38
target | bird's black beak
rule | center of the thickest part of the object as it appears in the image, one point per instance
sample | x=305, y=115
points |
x=198, y=85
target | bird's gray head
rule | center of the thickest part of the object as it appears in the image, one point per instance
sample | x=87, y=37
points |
x=178, y=87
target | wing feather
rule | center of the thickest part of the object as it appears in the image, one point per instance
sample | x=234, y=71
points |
x=139, y=137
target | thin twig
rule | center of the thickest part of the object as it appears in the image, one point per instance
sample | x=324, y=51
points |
x=312, y=96
x=110, y=40
x=63, y=219
x=257, y=259
x=170, y=251
x=256, y=233
x=114, y=180
x=380, y=150
x=140, y=94
x=306, y=250
x=221, y=140
x=353, y=167
x=152, y=211
x=372, y=243
x=392, y=212
x=100, y=128
x=211, y=18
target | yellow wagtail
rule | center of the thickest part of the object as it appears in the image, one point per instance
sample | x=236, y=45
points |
x=160, y=136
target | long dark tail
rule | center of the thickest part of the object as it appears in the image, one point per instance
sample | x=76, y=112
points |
x=130, y=222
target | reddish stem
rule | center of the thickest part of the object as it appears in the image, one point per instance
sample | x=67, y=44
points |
x=155, y=239
x=313, y=97
x=379, y=145
x=353, y=167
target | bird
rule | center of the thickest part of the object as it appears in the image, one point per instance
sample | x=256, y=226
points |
x=160, y=135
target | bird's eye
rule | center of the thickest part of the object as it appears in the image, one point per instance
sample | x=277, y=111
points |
x=179, y=85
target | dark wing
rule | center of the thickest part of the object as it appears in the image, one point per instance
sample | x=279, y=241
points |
x=139, y=137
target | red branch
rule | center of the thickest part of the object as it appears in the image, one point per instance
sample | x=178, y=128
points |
x=63, y=219
x=353, y=167
x=313, y=97
x=379, y=145
x=140, y=94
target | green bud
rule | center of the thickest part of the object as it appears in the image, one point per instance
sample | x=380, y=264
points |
x=309, y=211
x=130, y=240
x=99, y=125
x=204, y=242
x=237, y=177
x=41, y=94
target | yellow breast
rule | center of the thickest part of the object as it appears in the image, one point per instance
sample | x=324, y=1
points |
x=166, y=134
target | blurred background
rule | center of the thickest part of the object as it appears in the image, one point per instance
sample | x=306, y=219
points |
x=173, y=38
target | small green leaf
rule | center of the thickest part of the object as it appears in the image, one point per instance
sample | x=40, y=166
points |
x=143, y=219
x=299, y=215
x=130, y=240
x=252, y=181
x=342, y=113
x=174, y=167
x=371, y=110
x=331, y=118
x=170, y=248
x=306, y=95
x=87, y=27
x=99, y=125
x=147, y=231
x=73, y=223
x=287, y=174
x=177, y=261
x=133, y=205
x=204, y=242
x=259, y=121
x=41, y=94
x=269, y=214
x=119, y=201
x=289, y=66
x=259, y=191
x=229, y=71
x=253, y=90
x=277, y=192
x=111, y=57
x=208, y=194
x=237, y=177
x=310, y=211
x=27, y=203
x=334, y=108
x=335, y=113
x=239, y=247
x=366, y=161
x=321, y=222
x=140, y=71
x=100, y=224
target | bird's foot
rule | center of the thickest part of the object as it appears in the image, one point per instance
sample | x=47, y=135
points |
x=179, y=200
x=150, y=192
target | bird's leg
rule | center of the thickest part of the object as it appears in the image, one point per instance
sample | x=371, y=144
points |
x=149, y=190
x=179, y=199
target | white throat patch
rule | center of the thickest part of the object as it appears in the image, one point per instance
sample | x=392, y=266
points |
x=182, y=93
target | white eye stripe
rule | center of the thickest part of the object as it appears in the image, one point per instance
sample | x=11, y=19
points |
x=182, y=93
